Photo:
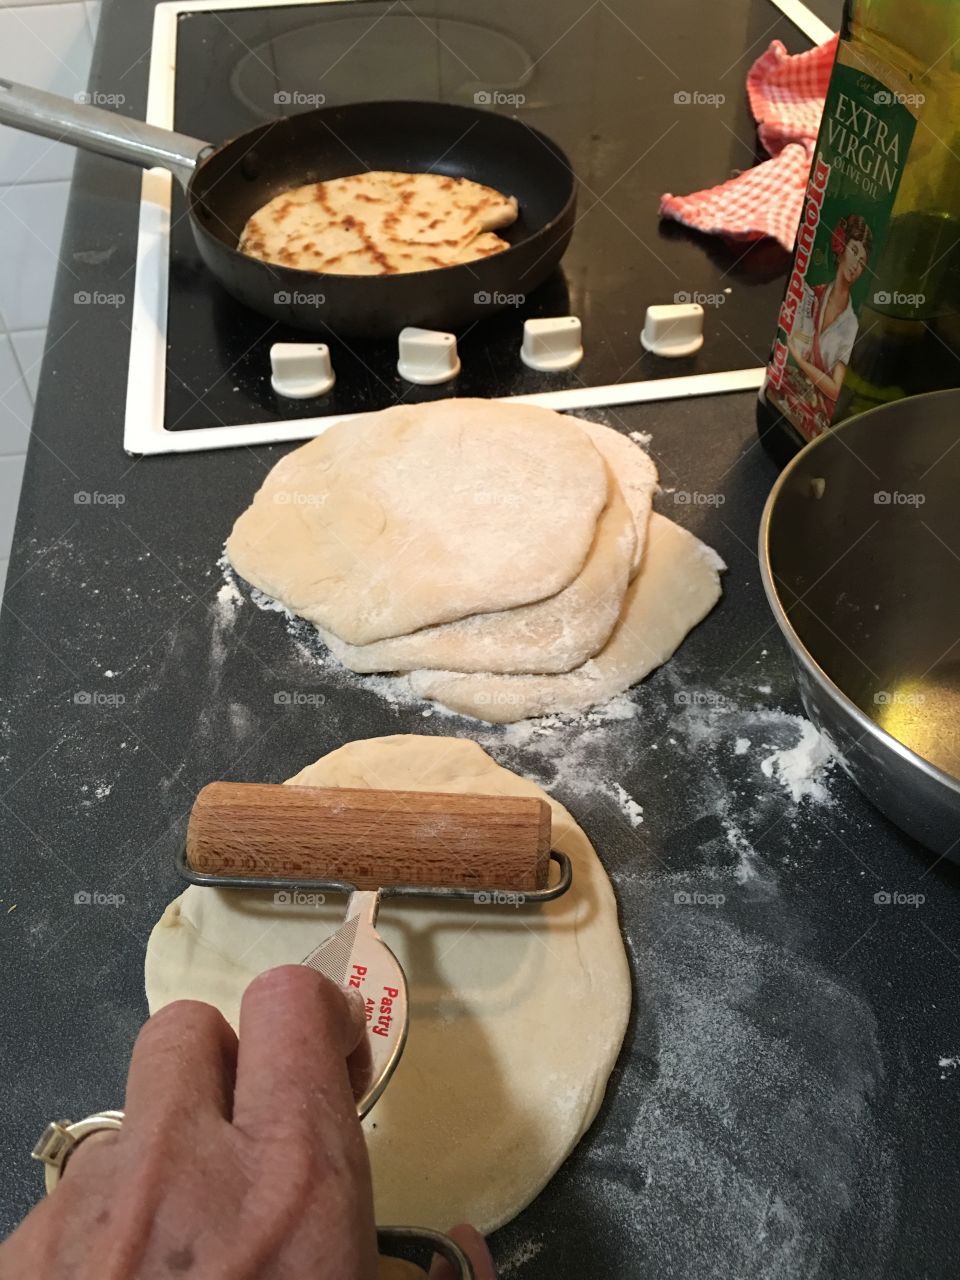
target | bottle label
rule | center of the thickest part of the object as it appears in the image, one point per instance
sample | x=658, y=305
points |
x=869, y=118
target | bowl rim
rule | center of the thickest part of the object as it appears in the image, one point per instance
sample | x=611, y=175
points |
x=797, y=647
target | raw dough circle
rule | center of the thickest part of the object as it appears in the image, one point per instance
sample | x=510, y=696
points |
x=635, y=473
x=516, y=1015
x=421, y=514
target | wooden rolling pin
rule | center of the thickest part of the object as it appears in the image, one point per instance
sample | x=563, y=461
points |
x=372, y=838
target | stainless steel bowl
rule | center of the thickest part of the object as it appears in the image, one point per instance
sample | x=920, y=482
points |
x=860, y=559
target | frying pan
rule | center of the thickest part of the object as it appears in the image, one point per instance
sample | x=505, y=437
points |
x=225, y=184
x=860, y=560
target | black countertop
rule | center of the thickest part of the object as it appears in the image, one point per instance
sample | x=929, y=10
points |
x=786, y=1101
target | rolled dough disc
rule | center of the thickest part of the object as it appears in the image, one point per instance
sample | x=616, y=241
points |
x=421, y=514
x=551, y=635
x=678, y=584
x=635, y=472
x=516, y=1015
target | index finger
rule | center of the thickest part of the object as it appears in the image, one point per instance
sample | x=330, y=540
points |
x=296, y=1032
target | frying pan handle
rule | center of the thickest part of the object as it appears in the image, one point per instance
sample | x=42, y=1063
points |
x=94, y=129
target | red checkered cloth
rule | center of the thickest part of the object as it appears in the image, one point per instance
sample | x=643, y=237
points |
x=786, y=96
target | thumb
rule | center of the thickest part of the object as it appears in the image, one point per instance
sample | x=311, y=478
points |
x=475, y=1247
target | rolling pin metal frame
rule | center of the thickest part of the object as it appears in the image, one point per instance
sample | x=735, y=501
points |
x=346, y=887
x=443, y=1245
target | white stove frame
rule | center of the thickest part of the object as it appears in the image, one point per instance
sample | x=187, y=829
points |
x=144, y=430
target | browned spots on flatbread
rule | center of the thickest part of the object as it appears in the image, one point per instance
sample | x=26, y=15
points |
x=320, y=192
x=379, y=257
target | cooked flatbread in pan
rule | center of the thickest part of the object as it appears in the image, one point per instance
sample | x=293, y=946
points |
x=380, y=223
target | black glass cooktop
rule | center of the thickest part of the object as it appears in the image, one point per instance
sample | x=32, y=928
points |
x=643, y=98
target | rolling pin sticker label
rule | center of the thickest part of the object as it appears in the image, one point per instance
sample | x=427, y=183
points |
x=385, y=1014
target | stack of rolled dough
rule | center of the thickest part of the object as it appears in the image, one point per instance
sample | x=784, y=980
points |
x=505, y=556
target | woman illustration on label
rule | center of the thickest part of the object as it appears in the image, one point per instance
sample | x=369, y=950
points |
x=822, y=350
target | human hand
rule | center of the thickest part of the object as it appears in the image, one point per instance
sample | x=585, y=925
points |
x=236, y=1160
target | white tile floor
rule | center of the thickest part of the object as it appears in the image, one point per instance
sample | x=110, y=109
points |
x=49, y=46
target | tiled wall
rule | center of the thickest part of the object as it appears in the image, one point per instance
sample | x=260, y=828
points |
x=49, y=46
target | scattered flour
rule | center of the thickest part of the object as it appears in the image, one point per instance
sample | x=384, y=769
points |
x=268, y=604
x=741, y=746
x=94, y=792
x=94, y=257
x=632, y=811
x=748, y=1150
x=229, y=600
x=948, y=1066
x=241, y=720
x=520, y=1254
x=746, y=868
x=801, y=768
x=223, y=613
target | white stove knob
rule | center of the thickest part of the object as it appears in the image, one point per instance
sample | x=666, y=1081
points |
x=552, y=344
x=301, y=370
x=673, y=329
x=427, y=356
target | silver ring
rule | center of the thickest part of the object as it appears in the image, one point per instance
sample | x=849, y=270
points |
x=62, y=1137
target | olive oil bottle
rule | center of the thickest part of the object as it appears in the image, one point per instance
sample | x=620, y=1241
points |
x=872, y=307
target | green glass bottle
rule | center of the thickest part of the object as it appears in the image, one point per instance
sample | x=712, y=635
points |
x=872, y=307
